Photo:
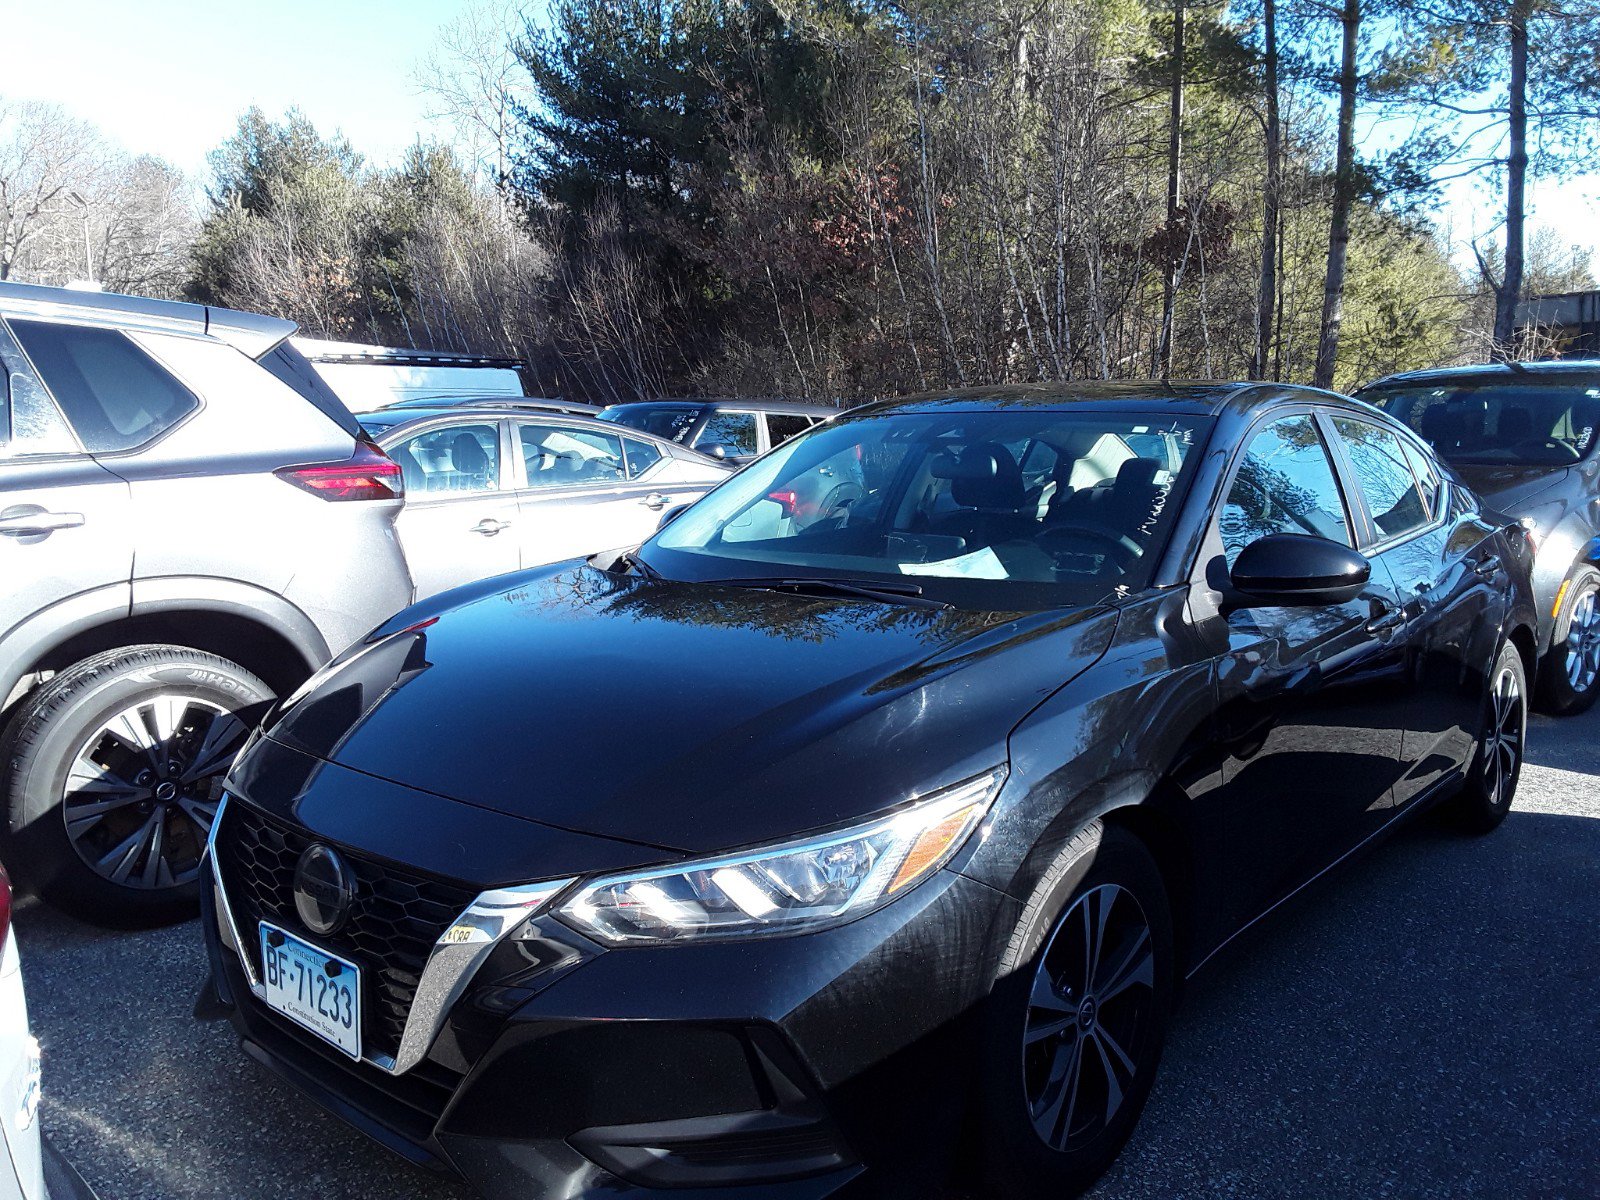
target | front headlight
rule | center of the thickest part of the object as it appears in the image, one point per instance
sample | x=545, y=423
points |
x=797, y=886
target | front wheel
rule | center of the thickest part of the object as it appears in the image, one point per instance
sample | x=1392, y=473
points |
x=1077, y=1019
x=1569, y=675
x=1491, y=784
x=111, y=774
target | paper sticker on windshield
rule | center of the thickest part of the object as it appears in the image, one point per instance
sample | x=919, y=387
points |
x=980, y=564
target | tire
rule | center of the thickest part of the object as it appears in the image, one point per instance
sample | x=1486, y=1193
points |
x=1569, y=673
x=1105, y=879
x=1491, y=785
x=118, y=761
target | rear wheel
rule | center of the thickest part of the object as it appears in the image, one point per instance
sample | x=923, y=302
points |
x=1078, y=1018
x=112, y=774
x=1491, y=784
x=1569, y=676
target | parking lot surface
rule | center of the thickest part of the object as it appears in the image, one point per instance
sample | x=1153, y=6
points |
x=1422, y=1025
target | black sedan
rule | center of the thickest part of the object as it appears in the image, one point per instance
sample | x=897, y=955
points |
x=858, y=856
x=1522, y=435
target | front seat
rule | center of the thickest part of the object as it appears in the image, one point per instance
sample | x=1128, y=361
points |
x=987, y=483
x=469, y=463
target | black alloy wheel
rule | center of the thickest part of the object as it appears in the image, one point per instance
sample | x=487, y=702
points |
x=1491, y=785
x=1074, y=1028
x=1089, y=1015
x=112, y=774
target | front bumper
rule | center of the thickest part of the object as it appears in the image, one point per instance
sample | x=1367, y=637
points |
x=815, y=1065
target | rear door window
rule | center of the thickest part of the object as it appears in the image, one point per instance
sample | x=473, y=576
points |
x=641, y=456
x=113, y=395
x=563, y=456
x=783, y=426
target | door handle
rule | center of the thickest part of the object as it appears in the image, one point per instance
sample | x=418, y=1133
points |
x=489, y=526
x=1384, y=618
x=36, y=523
x=1488, y=567
x=656, y=501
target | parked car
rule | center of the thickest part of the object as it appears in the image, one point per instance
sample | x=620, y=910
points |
x=692, y=870
x=491, y=490
x=36, y=1170
x=181, y=503
x=476, y=400
x=1523, y=437
x=736, y=430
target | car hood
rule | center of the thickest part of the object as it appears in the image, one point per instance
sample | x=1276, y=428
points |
x=1510, y=488
x=690, y=717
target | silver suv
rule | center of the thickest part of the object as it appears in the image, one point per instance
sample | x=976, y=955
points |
x=190, y=524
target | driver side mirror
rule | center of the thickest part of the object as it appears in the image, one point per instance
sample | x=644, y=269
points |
x=716, y=450
x=671, y=515
x=1290, y=570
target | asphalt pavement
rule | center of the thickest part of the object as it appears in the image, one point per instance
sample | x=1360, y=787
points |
x=1423, y=1025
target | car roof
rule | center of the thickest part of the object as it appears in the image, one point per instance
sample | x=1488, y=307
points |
x=249, y=333
x=481, y=400
x=1179, y=397
x=772, y=406
x=1483, y=373
x=409, y=417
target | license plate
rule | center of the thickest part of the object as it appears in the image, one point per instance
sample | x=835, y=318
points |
x=314, y=989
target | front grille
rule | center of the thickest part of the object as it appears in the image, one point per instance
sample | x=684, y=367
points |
x=394, y=922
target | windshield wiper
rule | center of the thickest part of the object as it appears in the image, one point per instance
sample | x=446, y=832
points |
x=885, y=590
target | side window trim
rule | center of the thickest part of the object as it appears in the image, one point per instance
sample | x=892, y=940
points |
x=1362, y=526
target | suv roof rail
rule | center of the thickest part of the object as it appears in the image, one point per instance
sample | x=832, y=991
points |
x=322, y=351
x=250, y=333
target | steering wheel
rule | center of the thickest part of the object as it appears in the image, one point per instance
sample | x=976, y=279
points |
x=1557, y=444
x=1123, y=549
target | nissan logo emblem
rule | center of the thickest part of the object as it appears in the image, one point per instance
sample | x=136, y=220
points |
x=323, y=889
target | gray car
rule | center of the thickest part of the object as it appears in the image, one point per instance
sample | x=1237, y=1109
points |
x=490, y=491
x=190, y=524
x=1523, y=437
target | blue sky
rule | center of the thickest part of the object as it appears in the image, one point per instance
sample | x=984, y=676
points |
x=170, y=78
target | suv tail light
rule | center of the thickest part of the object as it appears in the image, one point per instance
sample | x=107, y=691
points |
x=368, y=474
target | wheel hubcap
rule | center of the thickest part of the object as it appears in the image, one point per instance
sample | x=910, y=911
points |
x=1502, y=744
x=1089, y=1017
x=1583, y=644
x=143, y=789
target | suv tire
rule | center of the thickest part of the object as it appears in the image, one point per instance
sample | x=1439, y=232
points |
x=1569, y=674
x=110, y=772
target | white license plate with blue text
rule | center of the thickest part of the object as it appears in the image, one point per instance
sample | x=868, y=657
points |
x=314, y=989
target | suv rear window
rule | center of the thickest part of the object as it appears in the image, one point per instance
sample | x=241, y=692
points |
x=114, y=395
x=289, y=366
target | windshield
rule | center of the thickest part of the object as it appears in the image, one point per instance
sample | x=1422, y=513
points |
x=1545, y=423
x=670, y=421
x=1004, y=511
